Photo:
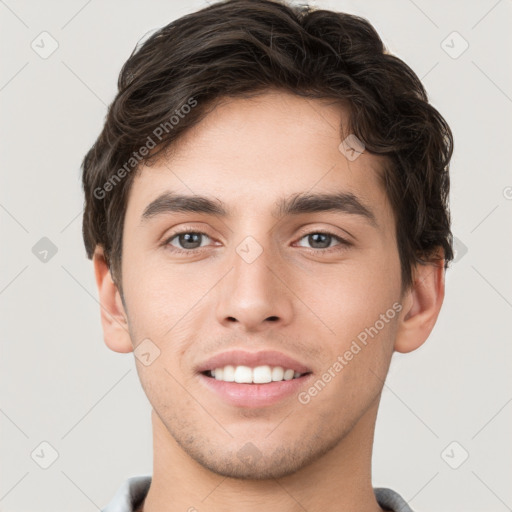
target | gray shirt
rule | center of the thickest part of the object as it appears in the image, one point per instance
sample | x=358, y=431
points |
x=133, y=491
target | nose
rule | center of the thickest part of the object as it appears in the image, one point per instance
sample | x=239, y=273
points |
x=254, y=295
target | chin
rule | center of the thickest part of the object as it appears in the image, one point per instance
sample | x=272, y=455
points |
x=264, y=468
x=248, y=462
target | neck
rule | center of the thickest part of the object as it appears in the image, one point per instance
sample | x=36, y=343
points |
x=338, y=480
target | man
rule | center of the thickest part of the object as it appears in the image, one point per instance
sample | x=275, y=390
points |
x=266, y=210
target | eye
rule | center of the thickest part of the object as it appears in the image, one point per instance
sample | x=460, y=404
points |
x=188, y=240
x=323, y=239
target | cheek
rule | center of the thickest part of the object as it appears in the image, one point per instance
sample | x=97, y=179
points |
x=163, y=302
x=357, y=303
x=349, y=297
x=155, y=296
x=352, y=378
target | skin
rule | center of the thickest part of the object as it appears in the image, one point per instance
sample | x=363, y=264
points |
x=314, y=456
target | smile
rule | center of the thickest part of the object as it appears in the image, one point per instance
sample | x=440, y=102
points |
x=259, y=375
x=246, y=379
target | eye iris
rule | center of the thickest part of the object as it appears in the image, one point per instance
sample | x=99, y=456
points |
x=313, y=240
x=189, y=238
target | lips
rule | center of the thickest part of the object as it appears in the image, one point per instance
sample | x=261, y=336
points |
x=235, y=358
x=244, y=393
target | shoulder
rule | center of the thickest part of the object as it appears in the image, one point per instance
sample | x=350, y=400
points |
x=391, y=500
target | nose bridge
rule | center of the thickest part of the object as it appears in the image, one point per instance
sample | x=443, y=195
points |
x=251, y=271
x=252, y=294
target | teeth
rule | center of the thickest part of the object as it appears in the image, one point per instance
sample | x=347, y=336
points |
x=262, y=374
x=277, y=373
x=259, y=375
x=288, y=374
x=229, y=373
x=243, y=375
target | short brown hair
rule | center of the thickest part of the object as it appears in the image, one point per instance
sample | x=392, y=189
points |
x=237, y=48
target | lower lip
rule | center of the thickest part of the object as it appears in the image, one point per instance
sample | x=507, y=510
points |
x=254, y=395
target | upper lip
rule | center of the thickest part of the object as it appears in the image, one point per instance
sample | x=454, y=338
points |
x=252, y=359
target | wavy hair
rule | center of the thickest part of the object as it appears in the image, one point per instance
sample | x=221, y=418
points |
x=245, y=47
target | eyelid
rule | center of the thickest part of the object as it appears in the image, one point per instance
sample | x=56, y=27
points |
x=347, y=237
x=189, y=228
x=331, y=230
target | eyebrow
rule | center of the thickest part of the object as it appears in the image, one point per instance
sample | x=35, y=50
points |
x=296, y=204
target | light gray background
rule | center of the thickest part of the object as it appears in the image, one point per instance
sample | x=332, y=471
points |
x=62, y=385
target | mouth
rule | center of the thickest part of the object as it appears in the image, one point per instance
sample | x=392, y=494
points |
x=259, y=375
x=253, y=379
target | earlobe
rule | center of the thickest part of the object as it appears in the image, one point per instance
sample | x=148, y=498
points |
x=422, y=303
x=113, y=315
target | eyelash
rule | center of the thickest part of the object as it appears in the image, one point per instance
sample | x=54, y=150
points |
x=191, y=252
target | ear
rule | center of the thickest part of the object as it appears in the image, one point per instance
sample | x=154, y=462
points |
x=421, y=306
x=113, y=316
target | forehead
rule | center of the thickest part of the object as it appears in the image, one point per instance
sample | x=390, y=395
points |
x=254, y=151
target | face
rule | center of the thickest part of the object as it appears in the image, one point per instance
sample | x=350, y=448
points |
x=251, y=279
